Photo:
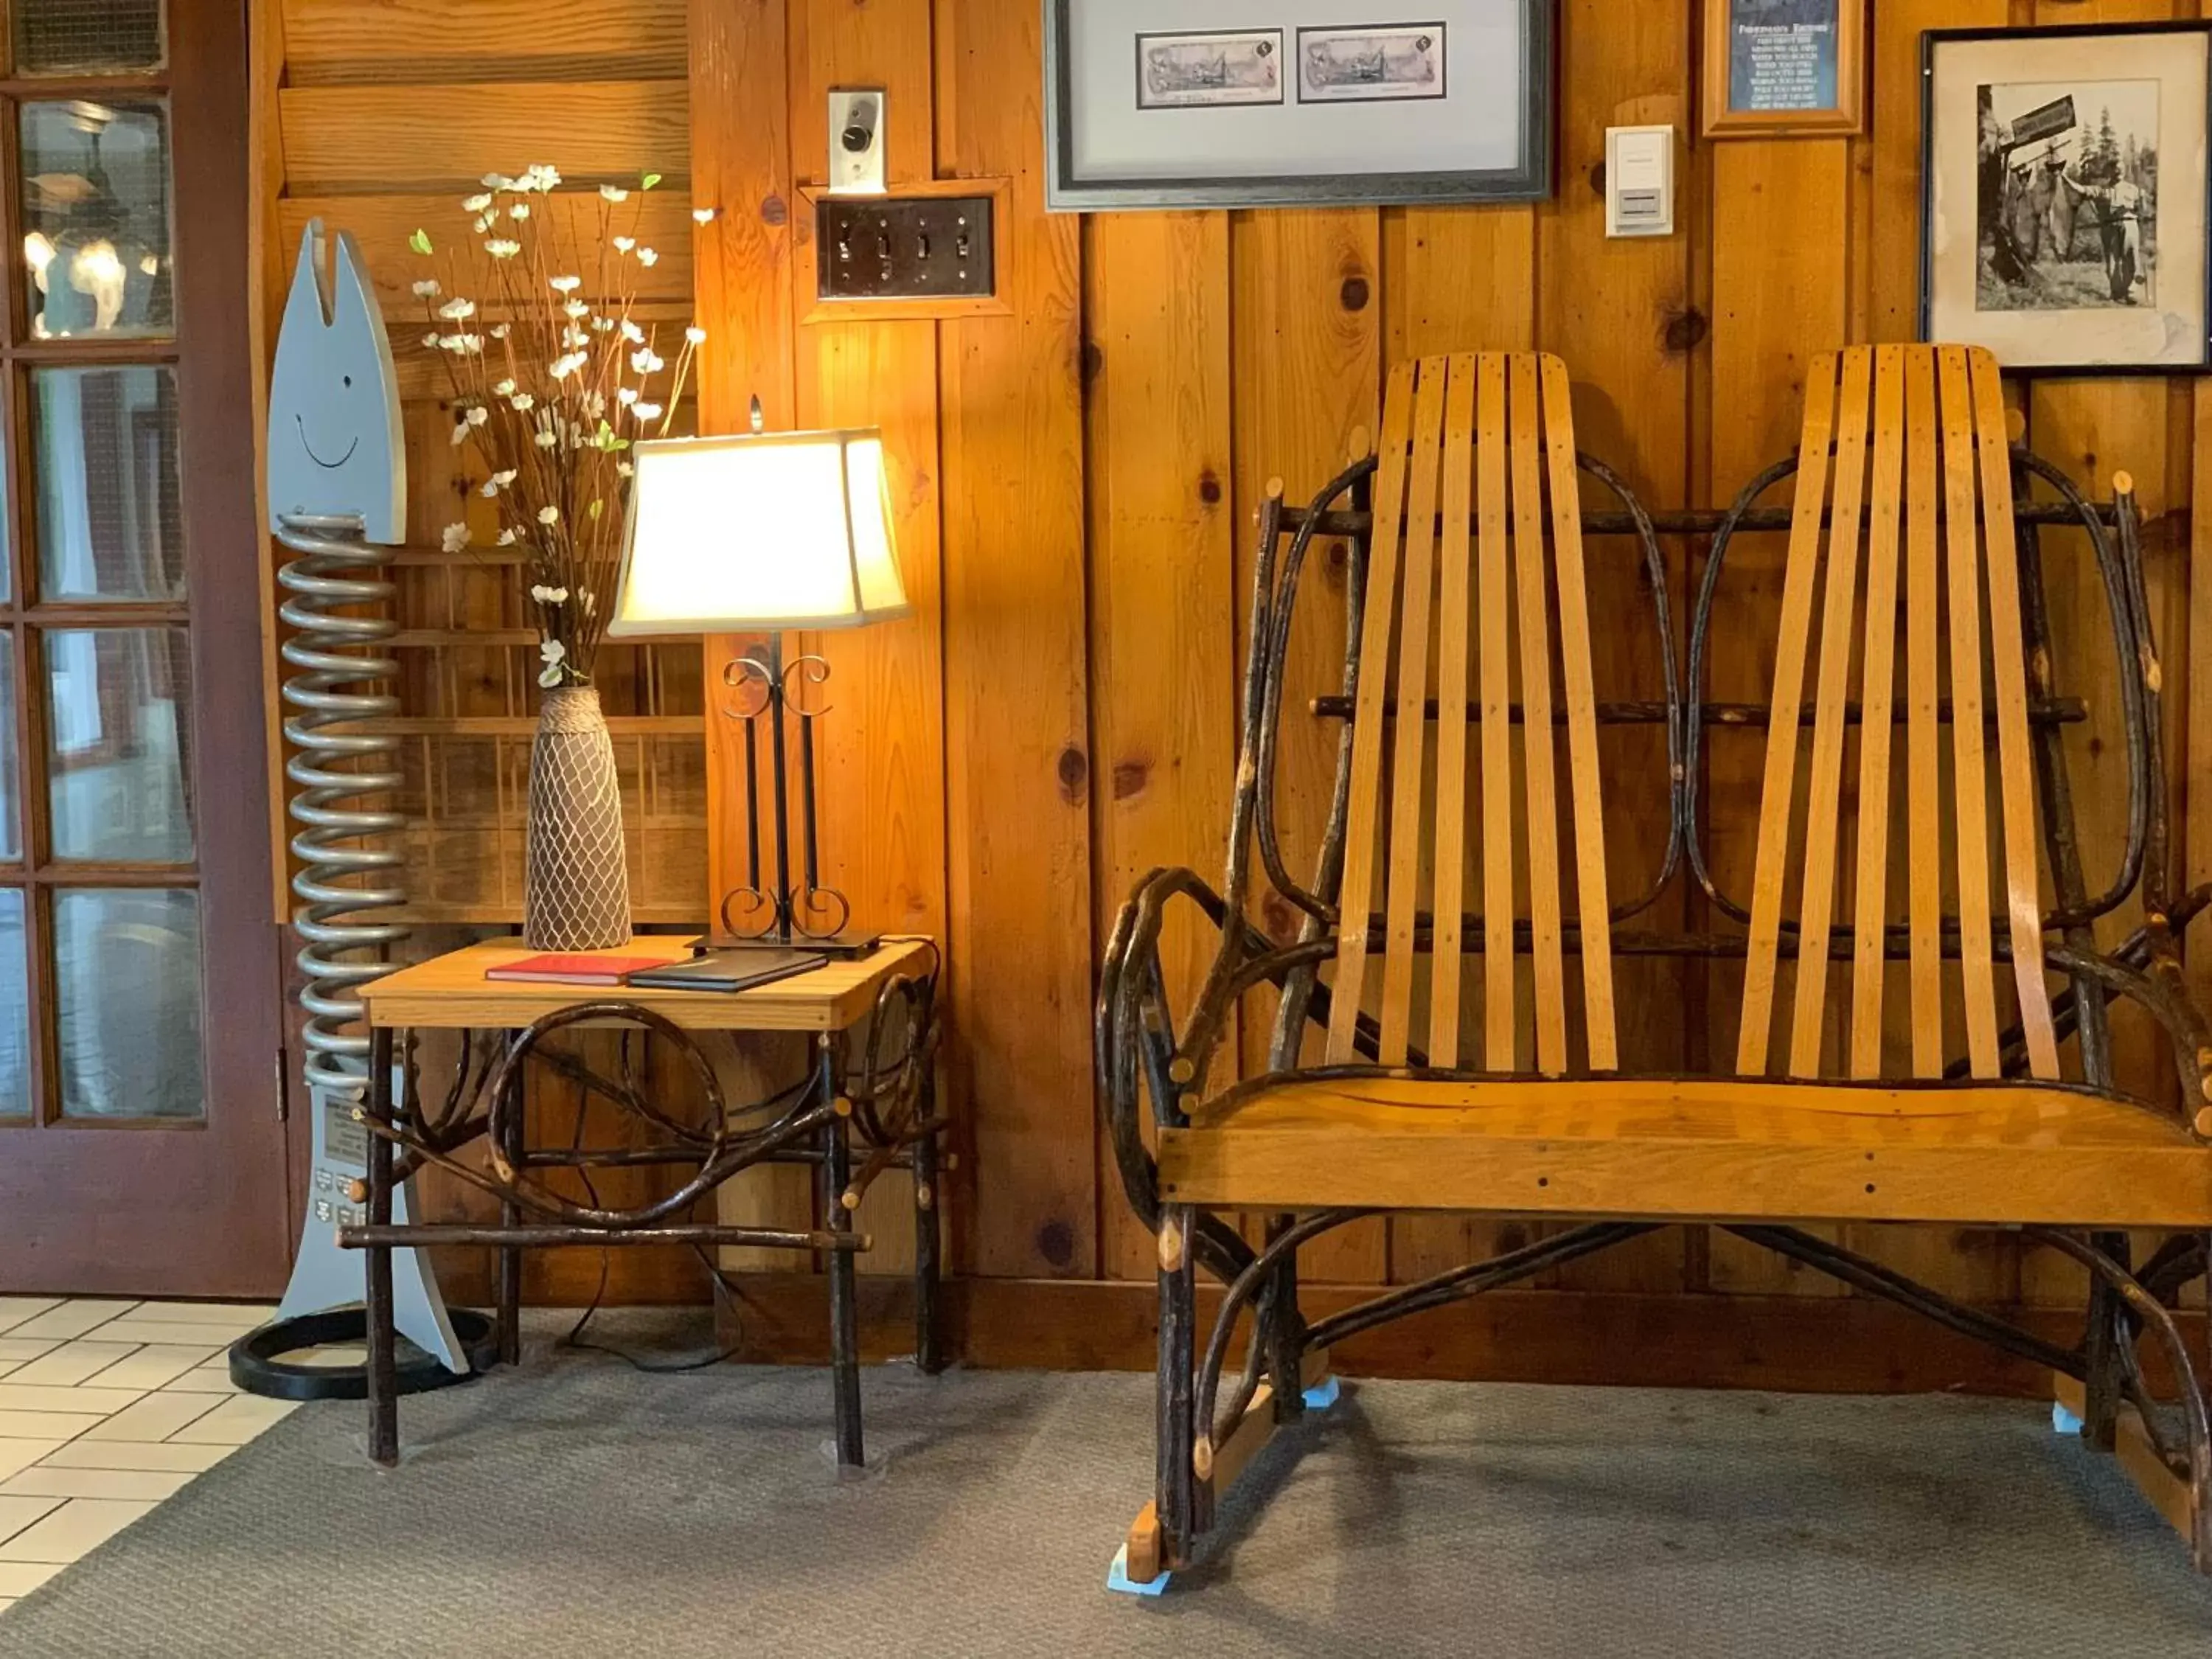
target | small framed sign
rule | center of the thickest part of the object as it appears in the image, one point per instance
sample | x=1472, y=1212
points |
x=1288, y=102
x=1780, y=68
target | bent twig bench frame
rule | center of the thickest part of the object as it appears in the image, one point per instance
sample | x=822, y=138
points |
x=1372, y=1102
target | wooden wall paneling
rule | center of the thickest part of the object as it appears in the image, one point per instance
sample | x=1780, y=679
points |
x=740, y=169
x=431, y=40
x=881, y=750
x=2093, y=428
x=400, y=137
x=1978, y=1265
x=741, y=177
x=1628, y=341
x=1307, y=352
x=1780, y=296
x=1019, y=771
x=882, y=811
x=382, y=223
x=1165, y=648
x=375, y=116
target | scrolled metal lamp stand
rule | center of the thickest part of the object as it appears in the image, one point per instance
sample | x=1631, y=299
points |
x=807, y=916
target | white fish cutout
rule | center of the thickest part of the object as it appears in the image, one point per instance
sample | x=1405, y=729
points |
x=335, y=449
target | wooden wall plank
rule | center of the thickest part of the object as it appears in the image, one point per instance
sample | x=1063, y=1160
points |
x=740, y=174
x=1780, y=297
x=1164, y=693
x=1628, y=342
x=1307, y=353
x=659, y=219
x=883, y=748
x=448, y=138
x=1978, y=1265
x=2093, y=428
x=422, y=40
x=1019, y=771
x=1264, y=359
x=740, y=169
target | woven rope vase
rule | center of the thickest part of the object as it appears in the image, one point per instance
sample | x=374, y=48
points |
x=576, y=883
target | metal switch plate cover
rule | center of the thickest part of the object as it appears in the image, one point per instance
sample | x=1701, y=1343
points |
x=856, y=140
x=904, y=248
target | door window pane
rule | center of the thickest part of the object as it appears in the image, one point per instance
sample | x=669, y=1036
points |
x=11, y=817
x=118, y=727
x=14, y=1009
x=76, y=37
x=110, y=520
x=127, y=994
x=96, y=219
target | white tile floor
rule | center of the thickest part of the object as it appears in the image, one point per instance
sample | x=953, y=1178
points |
x=106, y=1409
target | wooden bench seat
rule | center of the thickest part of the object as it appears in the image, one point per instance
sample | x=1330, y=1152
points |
x=1704, y=1149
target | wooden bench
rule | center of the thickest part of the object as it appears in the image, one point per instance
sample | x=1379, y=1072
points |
x=1926, y=1062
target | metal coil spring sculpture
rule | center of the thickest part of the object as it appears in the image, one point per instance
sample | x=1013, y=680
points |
x=344, y=874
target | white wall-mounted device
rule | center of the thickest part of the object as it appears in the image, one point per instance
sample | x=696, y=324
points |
x=856, y=140
x=1639, y=181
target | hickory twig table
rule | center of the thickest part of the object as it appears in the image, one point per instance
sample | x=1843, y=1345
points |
x=870, y=1082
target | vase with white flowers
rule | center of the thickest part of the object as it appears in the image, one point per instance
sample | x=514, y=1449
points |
x=554, y=373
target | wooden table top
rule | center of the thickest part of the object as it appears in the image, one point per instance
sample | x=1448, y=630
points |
x=450, y=992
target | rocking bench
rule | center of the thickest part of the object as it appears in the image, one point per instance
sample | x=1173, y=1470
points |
x=1956, y=1088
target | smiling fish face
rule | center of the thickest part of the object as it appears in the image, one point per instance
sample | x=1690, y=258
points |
x=334, y=439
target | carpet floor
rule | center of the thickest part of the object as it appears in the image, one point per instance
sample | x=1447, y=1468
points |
x=575, y=1507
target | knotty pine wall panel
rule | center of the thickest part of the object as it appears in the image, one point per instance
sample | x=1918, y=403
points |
x=1077, y=482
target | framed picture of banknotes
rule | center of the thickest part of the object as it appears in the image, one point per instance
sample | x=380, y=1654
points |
x=1258, y=103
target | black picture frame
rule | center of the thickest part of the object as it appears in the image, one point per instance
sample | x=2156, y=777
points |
x=1531, y=181
x=1933, y=41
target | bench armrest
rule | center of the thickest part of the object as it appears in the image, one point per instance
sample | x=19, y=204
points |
x=1136, y=1049
x=2145, y=967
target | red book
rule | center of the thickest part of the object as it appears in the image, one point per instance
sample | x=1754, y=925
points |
x=576, y=969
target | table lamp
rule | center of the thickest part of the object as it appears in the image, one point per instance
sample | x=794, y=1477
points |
x=758, y=534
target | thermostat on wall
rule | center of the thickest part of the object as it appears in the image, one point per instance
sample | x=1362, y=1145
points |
x=1639, y=181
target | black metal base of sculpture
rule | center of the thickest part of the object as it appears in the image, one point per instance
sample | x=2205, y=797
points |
x=256, y=1366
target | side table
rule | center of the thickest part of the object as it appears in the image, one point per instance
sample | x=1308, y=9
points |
x=883, y=1098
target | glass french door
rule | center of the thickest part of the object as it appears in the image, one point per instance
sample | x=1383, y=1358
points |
x=142, y=1149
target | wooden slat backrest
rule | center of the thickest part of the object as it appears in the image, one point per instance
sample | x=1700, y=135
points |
x=1476, y=473
x=1904, y=451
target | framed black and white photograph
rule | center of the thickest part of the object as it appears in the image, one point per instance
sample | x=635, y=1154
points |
x=1780, y=68
x=1296, y=102
x=2067, y=186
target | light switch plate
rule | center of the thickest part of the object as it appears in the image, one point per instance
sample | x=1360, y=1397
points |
x=856, y=140
x=1639, y=181
x=903, y=247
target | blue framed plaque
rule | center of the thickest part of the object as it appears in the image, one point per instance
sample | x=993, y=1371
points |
x=1784, y=68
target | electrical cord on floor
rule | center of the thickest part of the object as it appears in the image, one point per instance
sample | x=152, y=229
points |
x=725, y=1293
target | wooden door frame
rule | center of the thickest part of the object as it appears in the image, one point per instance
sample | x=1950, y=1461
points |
x=247, y=1252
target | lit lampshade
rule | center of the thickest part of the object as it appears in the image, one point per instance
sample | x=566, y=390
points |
x=788, y=530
